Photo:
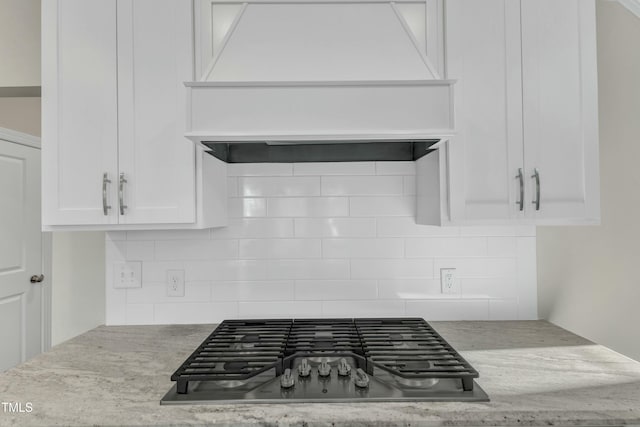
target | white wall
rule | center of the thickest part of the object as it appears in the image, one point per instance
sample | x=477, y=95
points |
x=588, y=278
x=325, y=240
x=21, y=114
x=78, y=284
x=19, y=43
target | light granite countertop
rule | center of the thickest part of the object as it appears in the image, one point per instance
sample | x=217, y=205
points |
x=535, y=374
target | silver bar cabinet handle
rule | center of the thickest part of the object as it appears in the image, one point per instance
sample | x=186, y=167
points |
x=123, y=181
x=105, y=206
x=536, y=176
x=520, y=177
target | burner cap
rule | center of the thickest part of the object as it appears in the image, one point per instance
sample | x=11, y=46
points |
x=416, y=365
x=235, y=366
x=250, y=338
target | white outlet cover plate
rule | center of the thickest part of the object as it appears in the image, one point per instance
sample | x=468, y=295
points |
x=176, y=290
x=127, y=275
x=449, y=283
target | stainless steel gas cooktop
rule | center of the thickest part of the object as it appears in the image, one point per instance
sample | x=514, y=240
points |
x=324, y=360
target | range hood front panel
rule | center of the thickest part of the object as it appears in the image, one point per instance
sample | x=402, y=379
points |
x=319, y=41
x=320, y=110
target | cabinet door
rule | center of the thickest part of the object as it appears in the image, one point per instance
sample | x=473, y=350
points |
x=154, y=59
x=561, y=108
x=79, y=111
x=484, y=56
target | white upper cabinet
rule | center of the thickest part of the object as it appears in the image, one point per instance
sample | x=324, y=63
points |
x=560, y=91
x=114, y=117
x=79, y=112
x=526, y=147
x=485, y=155
x=155, y=57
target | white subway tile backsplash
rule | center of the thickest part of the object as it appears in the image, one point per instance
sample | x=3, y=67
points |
x=308, y=206
x=226, y=270
x=280, y=309
x=501, y=267
x=115, y=250
x=312, y=290
x=116, y=235
x=409, y=185
x=156, y=292
x=363, y=308
x=446, y=247
x=407, y=289
x=279, y=186
x=156, y=271
x=338, y=168
x=382, y=206
x=247, y=207
x=139, y=314
x=489, y=230
x=324, y=240
x=489, y=288
x=438, y=309
x=280, y=248
x=194, y=312
x=259, y=169
x=407, y=227
x=362, y=248
x=391, y=268
x=361, y=185
x=335, y=227
x=186, y=250
x=527, y=276
x=253, y=291
x=254, y=228
x=526, y=230
x=232, y=187
x=283, y=269
x=465, y=267
x=140, y=251
x=395, y=168
x=501, y=309
x=501, y=246
x=168, y=235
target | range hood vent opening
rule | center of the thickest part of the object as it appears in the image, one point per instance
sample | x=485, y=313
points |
x=320, y=151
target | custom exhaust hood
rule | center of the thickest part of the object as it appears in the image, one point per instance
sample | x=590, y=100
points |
x=319, y=80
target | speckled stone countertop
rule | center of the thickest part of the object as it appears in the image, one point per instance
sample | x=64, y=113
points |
x=534, y=372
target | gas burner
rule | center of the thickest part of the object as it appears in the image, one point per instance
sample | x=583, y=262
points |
x=324, y=360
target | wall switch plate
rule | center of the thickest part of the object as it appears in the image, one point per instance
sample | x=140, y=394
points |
x=127, y=275
x=175, y=283
x=449, y=281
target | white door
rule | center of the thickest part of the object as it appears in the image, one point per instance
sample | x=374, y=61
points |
x=20, y=254
x=560, y=98
x=155, y=58
x=484, y=56
x=79, y=111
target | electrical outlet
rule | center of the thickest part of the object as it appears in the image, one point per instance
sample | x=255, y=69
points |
x=127, y=275
x=175, y=283
x=449, y=281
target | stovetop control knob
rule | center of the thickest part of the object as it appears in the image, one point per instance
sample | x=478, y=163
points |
x=286, y=380
x=344, y=369
x=362, y=379
x=324, y=370
x=304, y=369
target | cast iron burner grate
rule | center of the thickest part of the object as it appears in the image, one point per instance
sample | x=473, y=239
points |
x=236, y=350
x=411, y=349
x=405, y=348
